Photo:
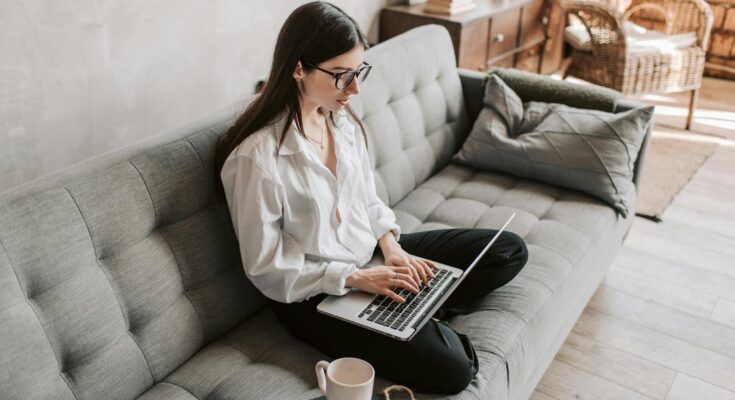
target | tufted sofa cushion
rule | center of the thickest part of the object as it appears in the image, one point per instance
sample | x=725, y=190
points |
x=413, y=109
x=114, y=273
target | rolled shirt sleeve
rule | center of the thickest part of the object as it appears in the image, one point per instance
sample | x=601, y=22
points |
x=382, y=218
x=273, y=261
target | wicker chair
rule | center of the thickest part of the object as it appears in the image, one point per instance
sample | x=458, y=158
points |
x=552, y=19
x=610, y=64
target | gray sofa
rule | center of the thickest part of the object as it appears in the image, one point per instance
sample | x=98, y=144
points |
x=120, y=276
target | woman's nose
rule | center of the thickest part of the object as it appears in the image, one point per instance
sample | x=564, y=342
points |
x=354, y=87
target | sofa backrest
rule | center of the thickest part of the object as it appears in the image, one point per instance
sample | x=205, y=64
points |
x=115, y=271
x=413, y=109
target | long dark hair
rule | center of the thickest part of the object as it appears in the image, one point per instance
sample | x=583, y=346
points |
x=314, y=32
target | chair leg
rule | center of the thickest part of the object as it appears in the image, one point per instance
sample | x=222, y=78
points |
x=540, y=67
x=565, y=64
x=692, y=103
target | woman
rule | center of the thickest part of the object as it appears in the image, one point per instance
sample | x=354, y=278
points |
x=298, y=182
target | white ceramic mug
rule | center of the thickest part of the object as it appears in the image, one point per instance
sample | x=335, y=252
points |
x=346, y=378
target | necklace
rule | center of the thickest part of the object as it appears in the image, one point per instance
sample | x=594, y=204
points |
x=321, y=142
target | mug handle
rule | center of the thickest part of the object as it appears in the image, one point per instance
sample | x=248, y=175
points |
x=321, y=379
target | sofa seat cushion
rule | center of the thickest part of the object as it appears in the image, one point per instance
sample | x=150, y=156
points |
x=259, y=359
x=567, y=234
x=166, y=391
x=562, y=220
x=558, y=225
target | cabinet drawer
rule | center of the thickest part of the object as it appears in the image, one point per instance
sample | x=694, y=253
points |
x=503, y=35
x=492, y=34
x=472, y=51
x=532, y=23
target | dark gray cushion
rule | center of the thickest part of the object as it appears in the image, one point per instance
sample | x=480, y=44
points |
x=535, y=87
x=587, y=150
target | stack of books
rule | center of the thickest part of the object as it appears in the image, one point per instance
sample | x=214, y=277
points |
x=449, y=7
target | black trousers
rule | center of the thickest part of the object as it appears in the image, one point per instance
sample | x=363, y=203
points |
x=438, y=359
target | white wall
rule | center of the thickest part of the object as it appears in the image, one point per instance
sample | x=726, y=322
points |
x=78, y=78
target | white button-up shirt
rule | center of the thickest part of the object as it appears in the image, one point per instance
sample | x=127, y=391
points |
x=284, y=210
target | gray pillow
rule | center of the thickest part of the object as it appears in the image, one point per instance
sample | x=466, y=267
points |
x=587, y=150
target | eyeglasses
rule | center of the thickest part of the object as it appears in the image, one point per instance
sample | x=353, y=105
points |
x=344, y=79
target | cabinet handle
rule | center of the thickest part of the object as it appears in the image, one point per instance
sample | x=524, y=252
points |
x=480, y=67
x=545, y=20
x=499, y=38
x=532, y=52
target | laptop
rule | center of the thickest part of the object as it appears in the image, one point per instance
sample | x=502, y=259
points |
x=402, y=321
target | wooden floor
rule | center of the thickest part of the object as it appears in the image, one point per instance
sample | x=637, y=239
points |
x=662, y=323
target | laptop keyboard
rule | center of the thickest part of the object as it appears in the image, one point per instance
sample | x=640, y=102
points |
x=385, y=311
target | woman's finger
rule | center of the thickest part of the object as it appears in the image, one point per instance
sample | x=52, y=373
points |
x=408, y=285
x=416, y=270
x=410, y=279
x=409, y=273
x=430, y=263
x=429, y=273
x=427, y=268
x=393, y=295
x=420, y=270
x=413, y=272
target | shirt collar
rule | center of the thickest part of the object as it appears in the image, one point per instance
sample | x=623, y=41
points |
x=294, y=143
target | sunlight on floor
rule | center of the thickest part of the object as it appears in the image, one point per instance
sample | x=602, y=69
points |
x=691, y=136
x=699, y=113
x=656, y=98
x=713, y=118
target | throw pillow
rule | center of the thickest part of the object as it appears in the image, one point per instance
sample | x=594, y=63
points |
x=587, y=150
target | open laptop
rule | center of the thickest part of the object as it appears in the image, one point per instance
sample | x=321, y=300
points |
x=402, y=321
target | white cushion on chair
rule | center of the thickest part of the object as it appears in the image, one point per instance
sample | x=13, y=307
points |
x=639, y=39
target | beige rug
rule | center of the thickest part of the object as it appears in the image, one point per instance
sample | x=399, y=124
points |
x=673, y=158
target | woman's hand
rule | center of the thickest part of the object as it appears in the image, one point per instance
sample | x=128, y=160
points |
x=382, y=278
x=421, y=269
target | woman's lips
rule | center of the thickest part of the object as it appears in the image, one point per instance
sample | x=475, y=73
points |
x=343, y=102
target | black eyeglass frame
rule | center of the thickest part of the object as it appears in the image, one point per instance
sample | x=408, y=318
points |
x=355, y=74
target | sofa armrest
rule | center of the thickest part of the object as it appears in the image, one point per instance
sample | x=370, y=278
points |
x=624, y=105
x=536, y=87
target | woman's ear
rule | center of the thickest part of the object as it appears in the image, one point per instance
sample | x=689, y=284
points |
x=298, y=72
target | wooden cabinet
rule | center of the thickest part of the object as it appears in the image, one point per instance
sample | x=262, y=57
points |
x=721, y=52
x=503, y=40
x=505, y=33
